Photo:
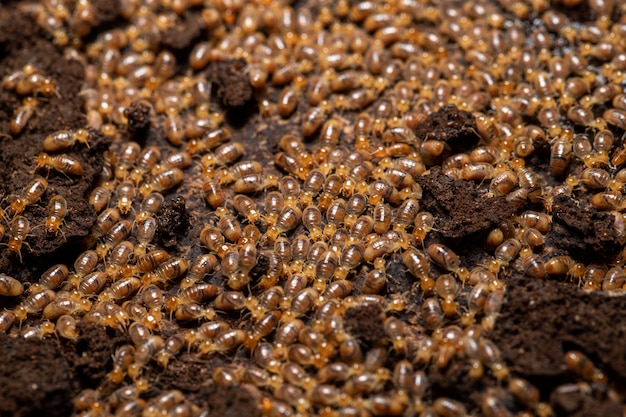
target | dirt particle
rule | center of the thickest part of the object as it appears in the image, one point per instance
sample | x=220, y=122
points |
x=182, y=35
x=138, y=115
x=233, y=85
x=460, y=207
x=588, y=234
x=457, y=128
x=172, y=222
x=365, y=322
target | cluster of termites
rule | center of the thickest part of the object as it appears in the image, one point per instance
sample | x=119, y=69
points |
x=28, y=83
x=296, y=246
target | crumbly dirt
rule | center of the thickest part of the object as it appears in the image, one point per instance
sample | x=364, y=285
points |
x=182, y=35
x=460, y=207
x=588, y=234
x=90, y=356
x=232, y=402
x=35, y=379
x=457, y=128
x=187, y=373
x=233, y=86
x=138, y=115
x=535, y=346
x=172, y=221
x=365, y=323
x=576, y=401
x=22, y=42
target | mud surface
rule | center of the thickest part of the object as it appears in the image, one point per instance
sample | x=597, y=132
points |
x=35, y=379
x=90, y=355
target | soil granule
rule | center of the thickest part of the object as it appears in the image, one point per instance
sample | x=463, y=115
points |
x=365, y=323
x=233, y=85
x=460, y=207
x=172, y=221
x=138, y=115
x=588, y=234
x=457, y=128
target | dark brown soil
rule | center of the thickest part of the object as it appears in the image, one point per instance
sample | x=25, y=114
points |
x=460, y=207
x=575, y=401
x=187, y=30
x=588, y=234
x=457, y=128
x=233, y=86
x=27, y=44
x=35, y=379
x=90, y=356
x=232, y=402
x=542, y=320
x=138, y=115
x=187, y=373
x=365, y=323
x=172, y=221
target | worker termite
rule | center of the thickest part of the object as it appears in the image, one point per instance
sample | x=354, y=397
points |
x=34, y=303
x=121, y=289
x=162, y=181
x=99, y=198
x=63, y=139
x=57, y=210
x=10, y=286
x=254, y=183
x=224, y=342
x=59, y=307
x=125, y=194
x=168, y=270
x=30, y=195
x=247, y=207
x=203, y=265
x=173, y=345
x=62, y=163
x=419, y=266
x=6, y=320
x=446, y=259
x=22, y=115
x=212, y=192
x=52, y=278
x=20, y=226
